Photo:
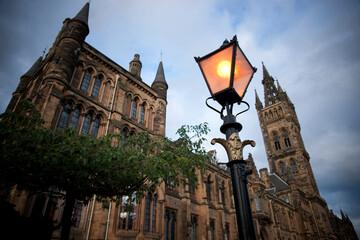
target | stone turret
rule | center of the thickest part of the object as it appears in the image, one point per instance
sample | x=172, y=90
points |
x=135, y=66
x=67, y=46
x=160, y=85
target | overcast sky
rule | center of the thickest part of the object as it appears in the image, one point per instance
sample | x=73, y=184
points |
x=311, y=46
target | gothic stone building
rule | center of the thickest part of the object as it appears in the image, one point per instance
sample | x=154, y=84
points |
x=76, y=85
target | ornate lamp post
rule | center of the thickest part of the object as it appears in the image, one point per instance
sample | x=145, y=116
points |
x=227, y=73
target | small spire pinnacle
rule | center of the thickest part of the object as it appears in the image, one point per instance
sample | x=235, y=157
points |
x=43, y=52
x=265, y=71
x=161, y=56
x=278, y=86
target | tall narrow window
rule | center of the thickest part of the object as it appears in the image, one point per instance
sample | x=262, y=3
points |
x=194, y=224
x=123, y=212
x=293, y=166
x=286, y=140
x=223, y=193
x=77, y=214
x=86, y=125
x=64, y=117
x=282, y=168
x=147, y=213
x=257, y=202
x=75, y=118
x=127, y=218
x=212, y=229
x=153, y=217
x=95, y=128
x=227, y=231
x=142, y=114
x=132, y=213
x=96, y=88
x=277, y=143
x=86, y=81
x=170, y=219
x=208, y=188
x=133, y=109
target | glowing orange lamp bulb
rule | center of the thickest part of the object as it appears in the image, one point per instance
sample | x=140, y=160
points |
x=223, y=69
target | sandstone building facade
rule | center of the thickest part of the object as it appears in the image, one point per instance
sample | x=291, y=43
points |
x=76, y=85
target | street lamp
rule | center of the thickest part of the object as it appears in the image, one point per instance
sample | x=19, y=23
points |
x=227, y=73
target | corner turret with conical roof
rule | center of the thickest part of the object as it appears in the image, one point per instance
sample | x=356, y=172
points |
x=67, y=46
x=160, y=85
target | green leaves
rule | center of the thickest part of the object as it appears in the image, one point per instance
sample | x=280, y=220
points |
x=36, y=158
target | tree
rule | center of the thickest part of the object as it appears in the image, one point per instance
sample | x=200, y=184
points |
x=37, y=159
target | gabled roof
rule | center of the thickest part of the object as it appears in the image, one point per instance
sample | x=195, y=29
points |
x=277, y=182
x=31, y=72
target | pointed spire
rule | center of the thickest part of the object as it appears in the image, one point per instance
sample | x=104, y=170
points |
x=83, y=15
x=342, y=214
x=278, y=86
x=160, y=76
x=258, y=103
x=265, y=71
x=270, y=91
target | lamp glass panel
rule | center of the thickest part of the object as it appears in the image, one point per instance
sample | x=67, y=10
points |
x=217, y=70
x=243, y=73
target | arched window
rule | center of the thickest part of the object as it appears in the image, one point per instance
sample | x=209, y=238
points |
x=293, y=166
x=142, y=113
x=124, y=134
x=86, y=81
x=257, y=202
x=64, y=117
x=147, y=213
x=282, y=168
x=277, y=143
x=133, y=109
x=75, y=118
x=96, y=88
x=170, y=219
x=286, y=140
x=95, y=128
x=86, y=125
x=271, y=114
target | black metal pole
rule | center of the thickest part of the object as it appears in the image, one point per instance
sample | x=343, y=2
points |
x=246, y=229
